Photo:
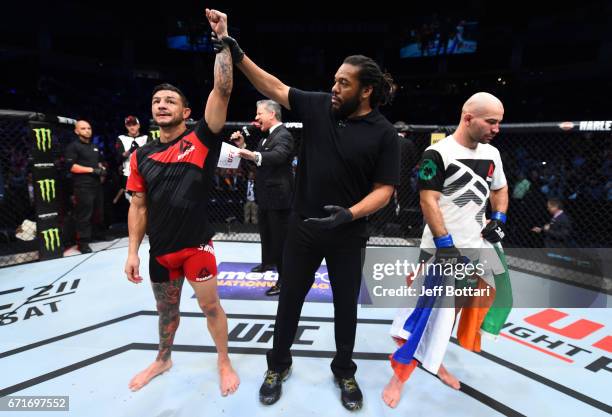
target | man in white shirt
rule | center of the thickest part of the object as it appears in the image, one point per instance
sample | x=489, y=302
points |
x=125, y=145
x=457, y=177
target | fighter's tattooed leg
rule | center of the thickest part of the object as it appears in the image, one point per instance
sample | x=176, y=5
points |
x=168, y=296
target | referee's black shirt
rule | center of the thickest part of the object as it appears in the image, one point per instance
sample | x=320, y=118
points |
x=84, y=154
x=340, y=160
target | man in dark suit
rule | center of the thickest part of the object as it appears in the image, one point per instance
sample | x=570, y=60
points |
x=273, y=185
x=558, y=232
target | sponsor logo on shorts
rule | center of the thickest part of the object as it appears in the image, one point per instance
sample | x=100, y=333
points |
x=207, y=248
x=203, y=275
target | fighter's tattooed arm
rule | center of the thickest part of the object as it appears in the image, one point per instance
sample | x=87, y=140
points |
x=167, y=296
x=224, y=73
x=216, y=107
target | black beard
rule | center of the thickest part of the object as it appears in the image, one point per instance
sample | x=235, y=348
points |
x=347, y=108
x=171, y=123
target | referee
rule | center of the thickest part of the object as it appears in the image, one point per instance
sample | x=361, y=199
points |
x=84, y=162
x=349, y=165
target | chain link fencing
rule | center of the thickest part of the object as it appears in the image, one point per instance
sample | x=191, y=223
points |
x=566, y=161
x=570, y=162
x=34, y=188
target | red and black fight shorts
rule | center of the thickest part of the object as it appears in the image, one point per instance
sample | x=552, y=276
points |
x=196, y=264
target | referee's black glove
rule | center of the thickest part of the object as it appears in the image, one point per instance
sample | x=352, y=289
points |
x=237, y=53
x=339, y=215
x=99, y=171
x=494, y=231
x=219, y=44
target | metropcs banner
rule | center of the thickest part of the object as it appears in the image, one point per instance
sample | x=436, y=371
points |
x=235, y=281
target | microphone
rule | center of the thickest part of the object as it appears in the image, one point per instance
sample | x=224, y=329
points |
x=254, y=126
x=341, y=123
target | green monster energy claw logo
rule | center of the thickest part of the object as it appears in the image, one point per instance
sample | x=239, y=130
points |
x=428, y=170
x=155, y=134
x=43, y=139
x=47, y=189
x=52, y=239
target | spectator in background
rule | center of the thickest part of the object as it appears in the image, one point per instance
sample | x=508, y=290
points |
x=594, y=189
x=444, y=32
x=578, y=161
x=250, y=206
x=457, y=41
x=232, y=177
x=521, y=187
x=218, y=178
x=558, y=232
x=407, y=196
x=409, y=159
x=125, y=145
x=1, y=184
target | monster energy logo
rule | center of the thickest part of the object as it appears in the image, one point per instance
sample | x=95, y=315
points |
x=47, y=189
x=43, y=139
x=154, y=134
x=51, y=237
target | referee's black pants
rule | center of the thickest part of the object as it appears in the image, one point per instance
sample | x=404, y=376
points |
x=88, y=201
x=305, y=248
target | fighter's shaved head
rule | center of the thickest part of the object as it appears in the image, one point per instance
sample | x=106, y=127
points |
x=481, y=116
x=482, y=103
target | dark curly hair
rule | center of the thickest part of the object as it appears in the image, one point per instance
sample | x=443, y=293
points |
x=370, y=74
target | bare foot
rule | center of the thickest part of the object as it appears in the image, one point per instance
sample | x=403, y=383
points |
x=448, y=378
x=143, y=377
x=392, y=393
x=228, y=379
